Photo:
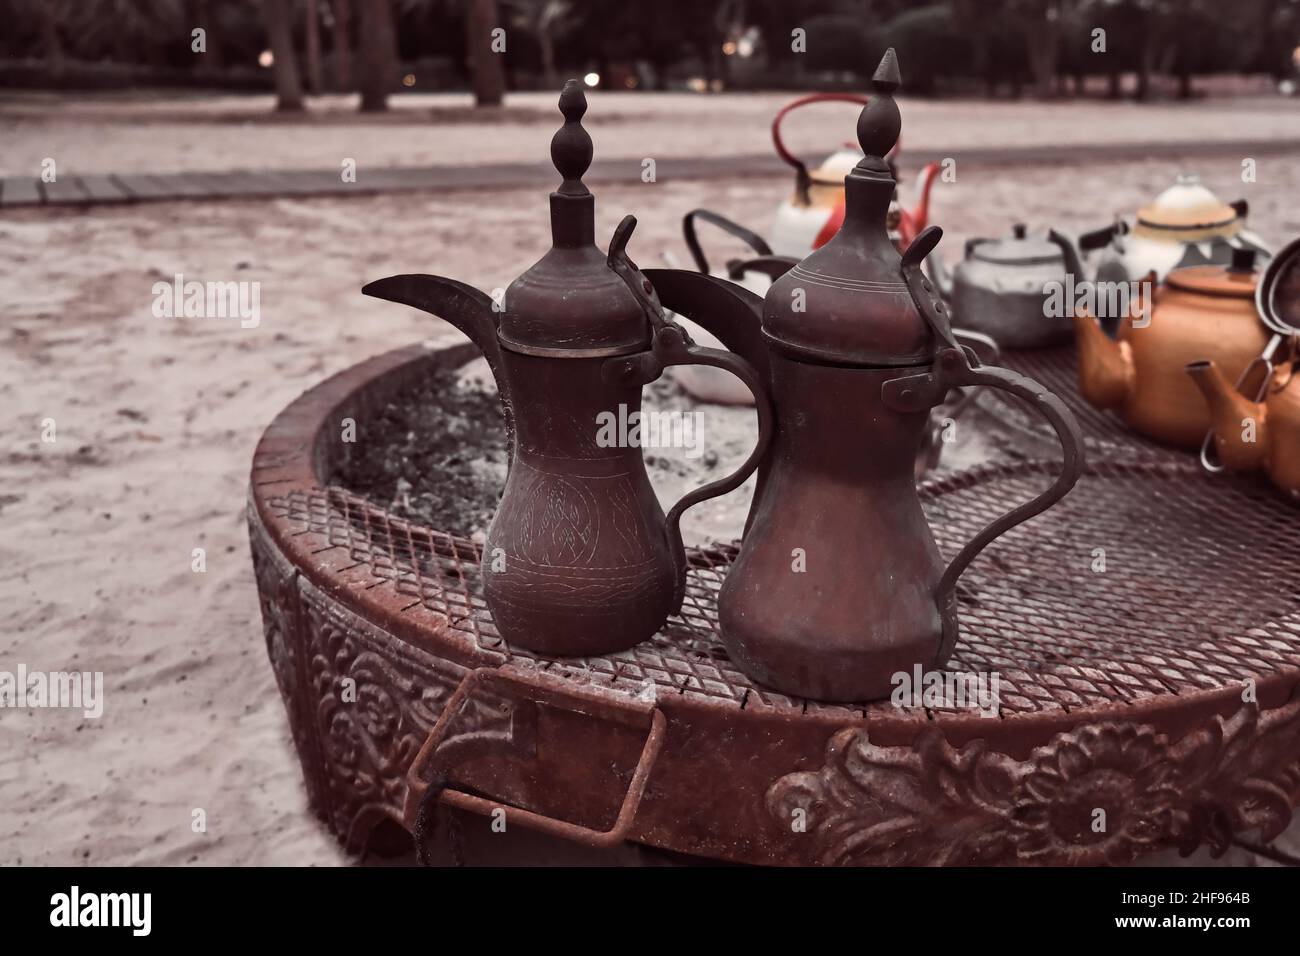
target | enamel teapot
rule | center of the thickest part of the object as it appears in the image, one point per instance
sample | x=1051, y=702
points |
x=1200, y=313
x=579, y=557
x=1015, y=289
x=839, y=584
x=1261, y=431
x=1186, y=225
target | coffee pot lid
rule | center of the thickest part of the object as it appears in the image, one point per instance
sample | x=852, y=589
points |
x=570, y=303
x=846, y=303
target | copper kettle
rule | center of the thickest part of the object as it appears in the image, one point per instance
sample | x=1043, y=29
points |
x=839, y=584
x=579, y=558
x=1201, y=312
x=1263, y=431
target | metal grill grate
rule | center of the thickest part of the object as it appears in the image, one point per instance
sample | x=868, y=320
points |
x=1058, y=370
x=1199, y=588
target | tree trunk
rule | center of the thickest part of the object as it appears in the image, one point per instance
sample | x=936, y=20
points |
x=378, y=54
x=312, y=32
x=343, y=45
x=50, y=42
x=487, y=69
x=1043, y=47
x=203, y=17
x=546, y=45
x=1145, y=61
x=287, y=85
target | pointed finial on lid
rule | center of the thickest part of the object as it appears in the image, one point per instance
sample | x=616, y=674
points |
x=879, y=122
x=886, y=77
x=571, y=145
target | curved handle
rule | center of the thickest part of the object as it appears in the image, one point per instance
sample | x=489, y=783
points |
x=673, y=346
x=771, y=266
x=747, y=236
x=428, y=776
x=953, y=368
x=803, y=180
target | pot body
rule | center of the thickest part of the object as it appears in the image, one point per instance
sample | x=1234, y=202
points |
x=577, y=559
x=1010, y=303
x=833, y=591
x=798, y=223
x=1283, y=453
x=1162, y=401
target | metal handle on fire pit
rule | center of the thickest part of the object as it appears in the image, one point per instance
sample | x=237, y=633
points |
x=436, y=784
x=955, y=366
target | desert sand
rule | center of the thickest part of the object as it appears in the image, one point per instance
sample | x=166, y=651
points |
x=156, y=419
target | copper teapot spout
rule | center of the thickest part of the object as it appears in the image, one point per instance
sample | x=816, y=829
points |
x=1106, y=374
x=1238, y=424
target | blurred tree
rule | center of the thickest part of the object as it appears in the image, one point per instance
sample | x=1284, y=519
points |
x=201, y=14
x=486, y=66
x=279, y=30
x=928, y=46
x=545, y=20
x=51, y=45
x=378, y=60
x=1040, y=23
x=311, y=32
x=343, y=45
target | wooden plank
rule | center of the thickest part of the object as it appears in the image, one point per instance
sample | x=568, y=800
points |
x=186, y=185
x=104, y=189
x=143, y=186
x=65, y=191
x=21, y=191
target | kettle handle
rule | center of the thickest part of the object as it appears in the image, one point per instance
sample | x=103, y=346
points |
x=671, y=345
x=747, y=236
x=955, y=366
x=802, y=178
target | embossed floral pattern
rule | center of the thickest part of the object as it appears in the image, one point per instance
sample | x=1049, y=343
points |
x=931, y=803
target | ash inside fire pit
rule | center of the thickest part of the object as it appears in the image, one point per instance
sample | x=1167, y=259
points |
x=435, y=453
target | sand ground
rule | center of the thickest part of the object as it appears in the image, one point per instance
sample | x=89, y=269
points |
x=156, y=419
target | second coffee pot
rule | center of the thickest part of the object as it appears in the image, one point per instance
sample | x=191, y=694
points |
x=839, y=584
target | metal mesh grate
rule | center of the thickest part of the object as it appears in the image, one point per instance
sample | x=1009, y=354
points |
x=1199, y=588
x=1058, y=370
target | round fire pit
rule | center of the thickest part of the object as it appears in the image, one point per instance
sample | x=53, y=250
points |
x=1144, y=637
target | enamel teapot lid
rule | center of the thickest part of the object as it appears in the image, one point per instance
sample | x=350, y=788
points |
x=846, y=303
x=1187, y=204
x=570, y=303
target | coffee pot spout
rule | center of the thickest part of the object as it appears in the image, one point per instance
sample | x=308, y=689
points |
x=461, y=305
